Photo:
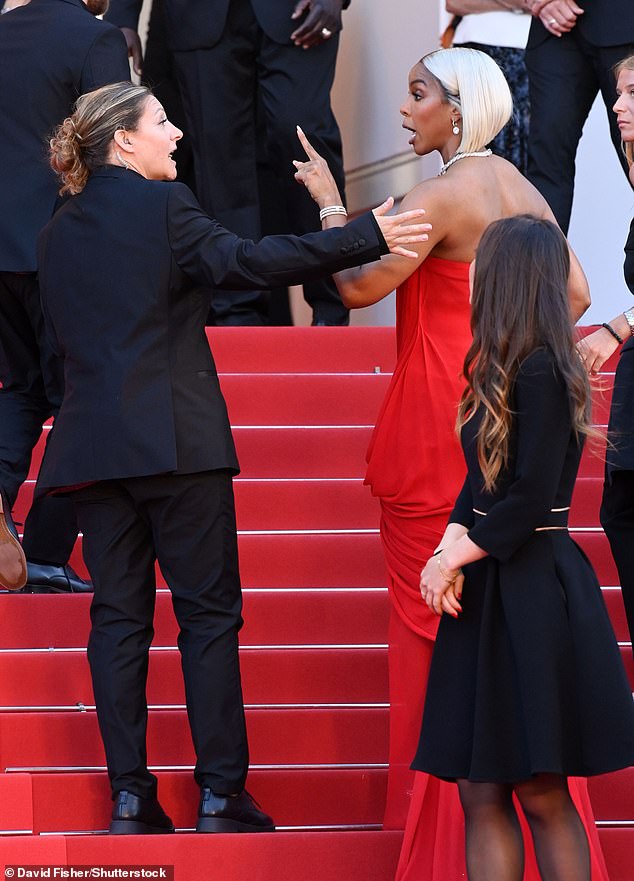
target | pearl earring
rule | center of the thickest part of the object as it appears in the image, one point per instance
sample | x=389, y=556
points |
x=455, y=128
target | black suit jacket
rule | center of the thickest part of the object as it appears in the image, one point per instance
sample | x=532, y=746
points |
x=120, y=265
x=52, y=51
x=198, y=24
x=603, y=23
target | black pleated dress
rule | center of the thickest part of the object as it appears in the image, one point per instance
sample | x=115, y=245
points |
x=528, y=679
x=620, y=455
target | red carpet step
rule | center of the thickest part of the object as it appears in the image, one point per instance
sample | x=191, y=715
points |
x=282, y=856
x=302, y=402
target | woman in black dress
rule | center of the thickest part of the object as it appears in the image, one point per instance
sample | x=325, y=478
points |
x=526, y=686
x=617, y=506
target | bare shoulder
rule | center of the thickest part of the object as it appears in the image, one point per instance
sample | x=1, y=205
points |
x=441, y=199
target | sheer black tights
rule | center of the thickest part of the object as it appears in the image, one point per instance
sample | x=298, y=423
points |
x=494, y=846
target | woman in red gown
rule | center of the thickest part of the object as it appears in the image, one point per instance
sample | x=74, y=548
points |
x=458, y=100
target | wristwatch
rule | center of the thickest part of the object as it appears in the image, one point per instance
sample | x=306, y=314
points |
x=629, y=317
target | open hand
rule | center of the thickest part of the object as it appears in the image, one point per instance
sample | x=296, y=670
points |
x=401, y=229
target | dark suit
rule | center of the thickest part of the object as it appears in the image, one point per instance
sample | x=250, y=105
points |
x=52, y=51
x=565, y=75
x=144, y=418
x=227, y=54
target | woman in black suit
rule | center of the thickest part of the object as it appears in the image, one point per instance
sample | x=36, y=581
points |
x=617, y=505
x=142, y=437
x=525, y=666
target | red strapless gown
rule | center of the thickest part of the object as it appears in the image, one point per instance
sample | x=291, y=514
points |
x=416, y=468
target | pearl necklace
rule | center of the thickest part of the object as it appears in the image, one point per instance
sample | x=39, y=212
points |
x=458, y=156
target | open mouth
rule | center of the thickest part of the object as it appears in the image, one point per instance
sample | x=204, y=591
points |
x=408, y=129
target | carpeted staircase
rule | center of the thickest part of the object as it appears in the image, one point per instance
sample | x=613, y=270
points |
x=313, y=649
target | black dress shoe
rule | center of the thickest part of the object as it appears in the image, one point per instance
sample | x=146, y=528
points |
x=43, y=578
x=134, y=815
x=231, y=813
x=12, y=560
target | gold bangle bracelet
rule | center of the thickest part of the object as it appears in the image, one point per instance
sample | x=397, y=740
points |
x=443, y=573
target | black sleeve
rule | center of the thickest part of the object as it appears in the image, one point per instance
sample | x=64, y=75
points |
x=106, y=62
x=124, y=13
x=463, y=509
x=544, y=425
x=212, y=255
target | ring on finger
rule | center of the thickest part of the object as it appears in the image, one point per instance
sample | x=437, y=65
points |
x=551, y=21
x=326, y=33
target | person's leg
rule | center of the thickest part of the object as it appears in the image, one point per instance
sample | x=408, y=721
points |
x=218, y=89
x=295, y=89
x=193, y=522
x=32, y=390
x=23, y=403
x=119, y=553
x=562, y=87
x=493, y=838
x=561, y=845
x=617, y=519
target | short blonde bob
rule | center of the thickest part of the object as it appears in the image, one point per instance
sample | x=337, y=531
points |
x=474, y=84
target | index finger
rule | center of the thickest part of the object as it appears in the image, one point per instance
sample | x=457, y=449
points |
x=308, y=147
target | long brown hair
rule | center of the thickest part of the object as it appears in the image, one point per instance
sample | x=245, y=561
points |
x=519, y=304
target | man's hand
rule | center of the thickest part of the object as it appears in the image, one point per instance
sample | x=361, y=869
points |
x=559, y=16
x=135, y=51
x=323, y=19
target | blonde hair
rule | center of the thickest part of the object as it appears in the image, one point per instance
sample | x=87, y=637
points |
x=626, y=64
x=83, y=141
x=474, y=84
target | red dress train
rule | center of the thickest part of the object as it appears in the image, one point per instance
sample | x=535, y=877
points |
x=416, y=468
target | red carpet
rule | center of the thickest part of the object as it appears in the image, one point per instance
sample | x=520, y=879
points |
x=313, y=653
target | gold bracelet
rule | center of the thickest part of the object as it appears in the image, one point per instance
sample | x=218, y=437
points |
x=443, y=573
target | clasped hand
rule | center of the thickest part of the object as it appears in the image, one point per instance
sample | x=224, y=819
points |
x=441, y=588
x=397, y=229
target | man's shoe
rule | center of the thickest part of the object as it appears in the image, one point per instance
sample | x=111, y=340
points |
x=12, y=560
x=231, y=813
x=43, y=578
x=134, y=815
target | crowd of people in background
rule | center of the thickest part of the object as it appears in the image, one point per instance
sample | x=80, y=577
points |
x=149, y=476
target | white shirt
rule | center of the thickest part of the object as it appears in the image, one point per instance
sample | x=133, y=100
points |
x=508, y=29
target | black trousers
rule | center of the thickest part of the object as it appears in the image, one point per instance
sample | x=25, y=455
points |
x=617, y=519
x=32, y=391
x=187, y=523
x=221, y=87
x=565, y=74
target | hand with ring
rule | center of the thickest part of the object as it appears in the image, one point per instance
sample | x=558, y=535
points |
x=559, y=16
x=321, y=19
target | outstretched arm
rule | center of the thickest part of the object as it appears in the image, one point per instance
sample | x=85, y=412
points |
x=359, y=287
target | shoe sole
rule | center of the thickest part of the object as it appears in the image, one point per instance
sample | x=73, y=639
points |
x=12, y=559
x=40, y=588
x=135, y=827
x=221, y=824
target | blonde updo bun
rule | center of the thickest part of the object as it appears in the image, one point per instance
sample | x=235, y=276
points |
x=83, y=141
